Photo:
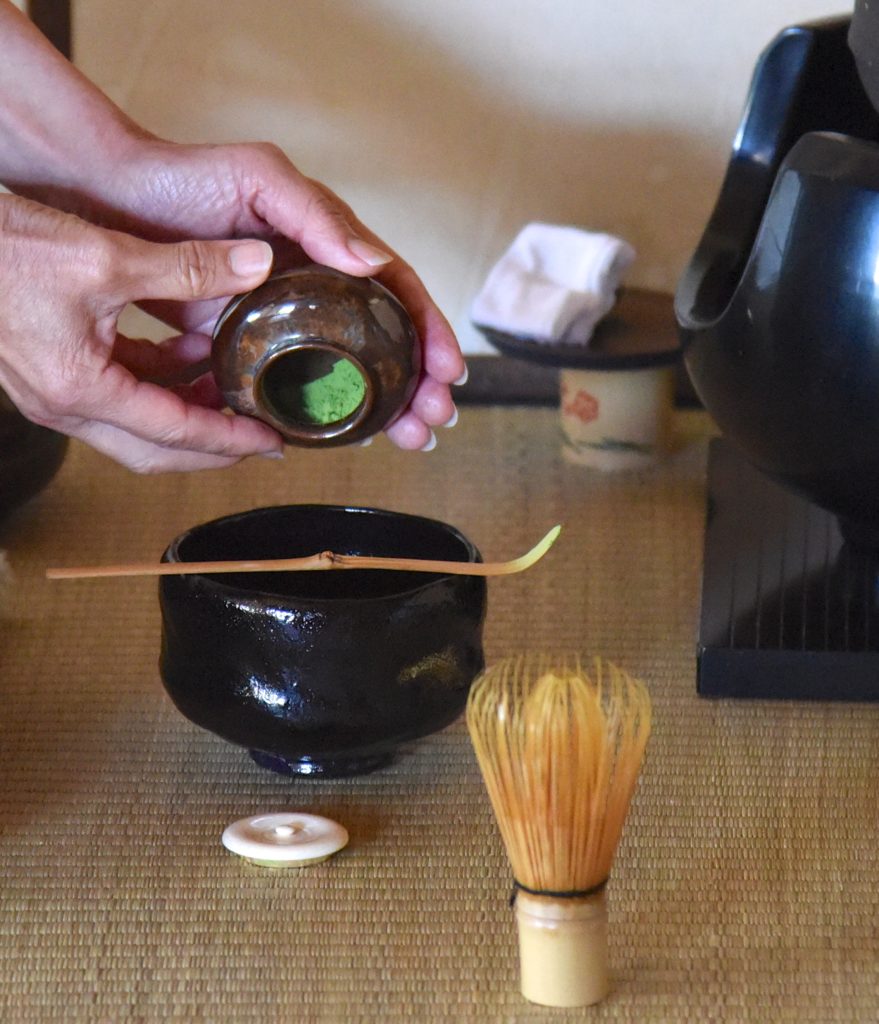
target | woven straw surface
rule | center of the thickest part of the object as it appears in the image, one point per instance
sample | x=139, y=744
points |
x=745, y=887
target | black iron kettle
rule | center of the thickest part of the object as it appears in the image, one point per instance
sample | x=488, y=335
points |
x=779, y=306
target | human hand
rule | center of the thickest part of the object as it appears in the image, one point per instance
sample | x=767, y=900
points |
x=168, y=191
x=63, y=143
x=64, y=283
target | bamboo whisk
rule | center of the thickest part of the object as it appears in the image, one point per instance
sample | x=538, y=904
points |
x=560, y=748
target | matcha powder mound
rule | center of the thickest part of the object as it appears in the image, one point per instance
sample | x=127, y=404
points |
x=333, y=396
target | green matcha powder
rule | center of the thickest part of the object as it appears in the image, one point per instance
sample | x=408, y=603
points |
x=330, y=397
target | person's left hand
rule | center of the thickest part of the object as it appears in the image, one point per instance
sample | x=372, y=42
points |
x=65, y=365
x=168, y=192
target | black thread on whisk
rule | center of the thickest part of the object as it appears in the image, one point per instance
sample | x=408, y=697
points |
x=568, y=894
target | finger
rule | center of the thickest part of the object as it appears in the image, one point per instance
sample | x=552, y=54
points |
x=432, y=403
x=441, y=353
x=330, y=233
x=143, y=456
x=409, y=432
x=202, y=391
x=443, y=359
x=162, y=417
x=186, y=271
x=314, y=216
x=196, y=317
x=200, y=317
x=172, y=361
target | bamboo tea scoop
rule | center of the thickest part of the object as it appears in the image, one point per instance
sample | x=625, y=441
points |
x=323, y=560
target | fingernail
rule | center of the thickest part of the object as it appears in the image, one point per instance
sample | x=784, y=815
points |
x=463, y=378
x=272, y=455
x=430, y=445
x=250, y=258
x=452, y=420
x=369, y=253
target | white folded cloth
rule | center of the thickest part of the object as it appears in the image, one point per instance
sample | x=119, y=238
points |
x=554, y=283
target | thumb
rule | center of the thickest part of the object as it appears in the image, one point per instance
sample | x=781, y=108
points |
x=186, y=271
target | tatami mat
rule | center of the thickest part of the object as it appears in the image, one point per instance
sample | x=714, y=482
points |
x=745, y=887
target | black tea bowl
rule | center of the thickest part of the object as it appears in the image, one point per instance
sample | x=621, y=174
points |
x=326, y=672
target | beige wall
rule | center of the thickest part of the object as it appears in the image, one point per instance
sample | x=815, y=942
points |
x=450, y=123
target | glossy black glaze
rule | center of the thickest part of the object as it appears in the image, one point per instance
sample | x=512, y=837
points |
x=326, y=672
x=29, y=456
x=779, y=307
x=321, y=311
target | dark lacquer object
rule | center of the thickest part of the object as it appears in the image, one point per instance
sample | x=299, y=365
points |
x=326, y=672
x=30, y=456
x=779, y=311
x=323, y=357
x=779, y=307
x=788, y=609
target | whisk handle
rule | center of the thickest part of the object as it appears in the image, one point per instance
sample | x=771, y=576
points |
x=563, y=949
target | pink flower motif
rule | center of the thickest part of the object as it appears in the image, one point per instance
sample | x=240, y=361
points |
x=583, y=406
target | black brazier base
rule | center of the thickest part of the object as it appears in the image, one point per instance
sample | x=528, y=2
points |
x=789, y=609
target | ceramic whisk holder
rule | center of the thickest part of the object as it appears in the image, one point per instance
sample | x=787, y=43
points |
x=617, y=391
x=616, y=419
x=323, y=357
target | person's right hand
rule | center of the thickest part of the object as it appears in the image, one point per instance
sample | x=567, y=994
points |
x=165, y=191
x=63, y=284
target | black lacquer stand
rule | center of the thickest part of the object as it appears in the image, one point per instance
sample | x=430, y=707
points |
x=789, y=610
